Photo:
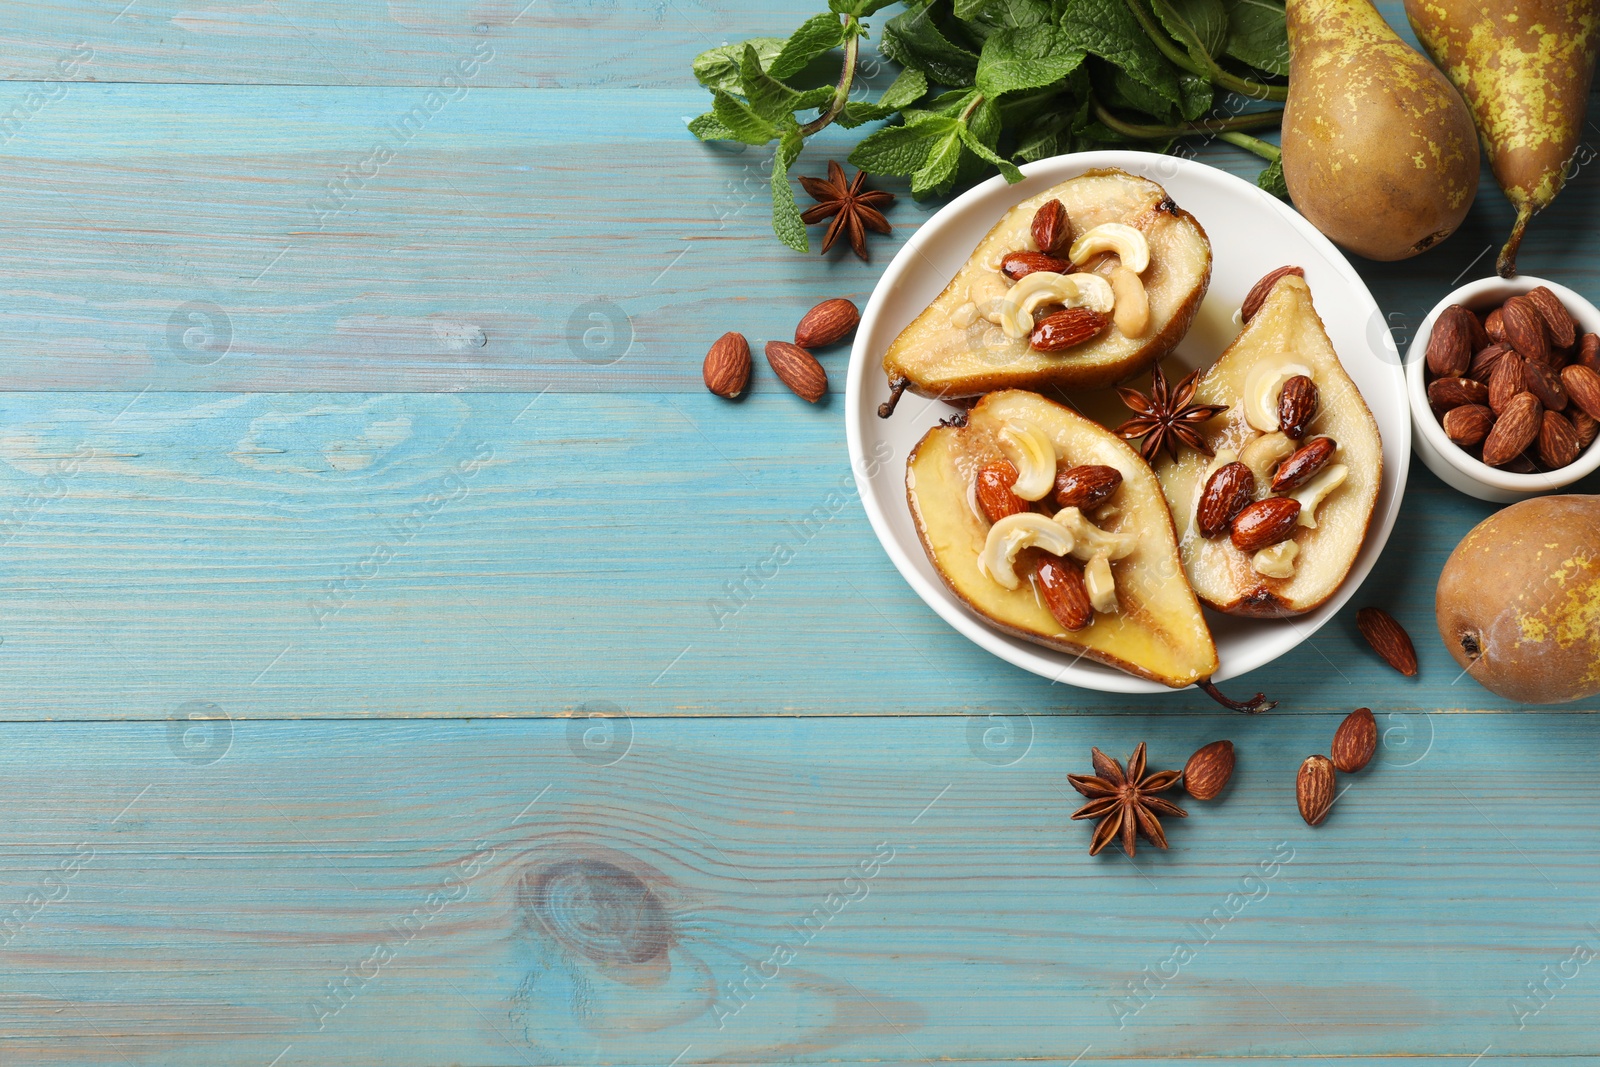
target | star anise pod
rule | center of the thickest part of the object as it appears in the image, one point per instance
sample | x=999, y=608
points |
x=851, y=205
x=1125, y=803
x=1167, y=420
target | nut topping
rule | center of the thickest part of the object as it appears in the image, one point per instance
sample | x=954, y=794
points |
x=1226, y=493
x=1052, y=229
x=1297, y=404
x=1126, y=241
x=1062, y=588
x=1086, y=486
x=1018, y=265
x=1068, y=328
x=1033, y=454
x=1264, y=523
x=1306, y=463
x=993, y=490
x=1258, y=292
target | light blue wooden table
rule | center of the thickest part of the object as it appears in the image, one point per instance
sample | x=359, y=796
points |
x=329, y=524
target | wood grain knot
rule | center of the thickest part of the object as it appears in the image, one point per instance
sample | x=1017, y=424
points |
x=597, y=910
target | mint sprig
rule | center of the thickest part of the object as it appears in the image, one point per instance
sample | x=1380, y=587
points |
x=985, y=85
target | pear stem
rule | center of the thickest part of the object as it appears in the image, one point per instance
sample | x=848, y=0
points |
x=1506, y=264
x=1254, y=706
x=1223, y=128
x=1269, y=152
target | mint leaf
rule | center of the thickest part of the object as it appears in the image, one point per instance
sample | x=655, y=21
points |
x=1025, y=59
x=815, y=36
x=938, y=172
x=1201, y=26
x=1106, y=28
x=710, y=128
x=718, y=68
x=1197, y=93
x=786, y=220
x=913, y=39
x=769, y=97
x=858, y=8
x=1272, y=181
x=739, y=120
x=1257, y=35
x=901, y=150
x=906, y=90
x=988, y=155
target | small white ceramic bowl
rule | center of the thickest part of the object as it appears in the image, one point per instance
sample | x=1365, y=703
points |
x=1456, y=467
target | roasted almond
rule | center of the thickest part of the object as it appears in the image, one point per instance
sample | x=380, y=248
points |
x=993, y=490
x=1265, y=523
x=1450, y=344
x=1065, y=592
x=1018, y=265
x=828, y=323
x=1545, y=384
x=1558, y=441
x=1585, y=425
x=1086, y=486
x=798, y=369
x=1494, y=324
x=1468, y=424
x=1484, y=361
x=1225, y=494
x=1447, y=393
x=1388, y=639
x=1480, y=336
x=1067, y=328
x=1297, y=405
x=1208, y=770
x=727, y=367
x=1303, y=464
x=1506, y=381
x=1314, y=789
x=1582, y=384
x=1515, y=429
x=1052, y=228
x=1589, y=352
x=1557, y=319
x=1355, y=741
x=1525, y=329
x=1258, y=292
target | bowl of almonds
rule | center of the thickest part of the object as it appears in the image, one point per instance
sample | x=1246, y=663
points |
x=1504, y=384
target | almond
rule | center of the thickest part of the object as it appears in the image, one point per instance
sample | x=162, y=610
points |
x=1558, y=441
x=1484, y=362
x=1226, y=492
x=1589, y=352
x=727, y=366
x=1314, y=789
x=1265, y=523
x=1544, y=384
x=1525, y=329
x=1450, y=344
x=1018, y=265
x=1494, y=324
x=1052, y=229
x=1388, y=639
x=993, y=490
x=1468, y=424
x=1066, y=328
x=1557, y=319
x=1506, y=381
x=1258, y=292
x=828, y=323
x=1480, y=336
x=1086, y=486
x=1303, y=464
x=1297, y=404
x=1355, y=741
x=798, y=369
x=1582, y=384
x=1515, y=429
x=1208, y=770
x=1586, y=426
x=1065, y=592
x=1447, y=393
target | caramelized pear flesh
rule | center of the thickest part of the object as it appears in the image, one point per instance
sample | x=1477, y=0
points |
x=1283, y=336
x=947, y=351
x=1157, y=632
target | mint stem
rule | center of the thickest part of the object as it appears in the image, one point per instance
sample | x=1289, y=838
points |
x=966, y=113
x=1225, y=129
x=1269, y=152
x=1211, y=70
x=847, y=76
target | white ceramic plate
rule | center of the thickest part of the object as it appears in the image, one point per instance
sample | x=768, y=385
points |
x=1251, y=233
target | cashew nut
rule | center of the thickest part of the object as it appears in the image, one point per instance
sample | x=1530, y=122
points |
x=1102, y=588
x=1276, y=561
x=1263, y=453
x=1132, y=312
x=1128, y=243
x=1014, y=533
x=964, y=315
x=1262, y=387
x=1031, y=451
x=1090, y=541
x=1316, y=491
x=1014, y=313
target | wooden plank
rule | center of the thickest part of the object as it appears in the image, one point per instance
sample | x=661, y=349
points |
x=496, y=554
x=937, y=901
x=187, y=238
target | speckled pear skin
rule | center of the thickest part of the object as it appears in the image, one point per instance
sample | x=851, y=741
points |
x=1379, y=150
x=1524, y=67
x=1518, y=602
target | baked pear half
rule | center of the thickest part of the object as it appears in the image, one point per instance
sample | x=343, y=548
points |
x=1122, y=259
x=1300, y=426
x=1100, y=577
